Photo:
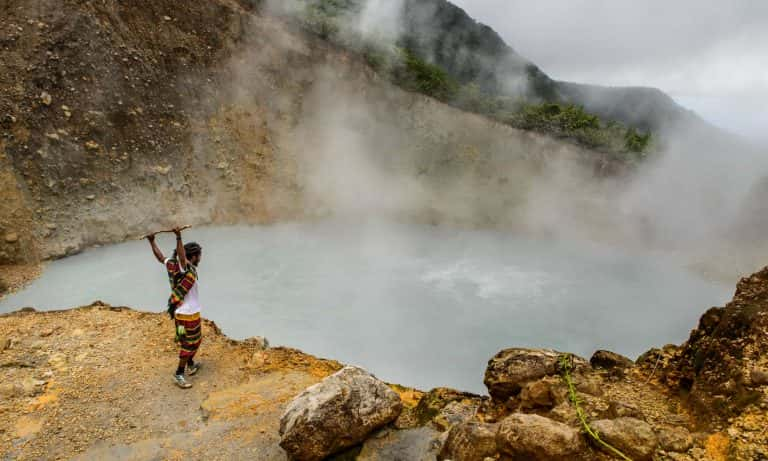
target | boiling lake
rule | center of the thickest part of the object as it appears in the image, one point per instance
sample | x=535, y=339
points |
x=416, y=305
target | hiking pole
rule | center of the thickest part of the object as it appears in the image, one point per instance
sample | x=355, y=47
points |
x=164, y=231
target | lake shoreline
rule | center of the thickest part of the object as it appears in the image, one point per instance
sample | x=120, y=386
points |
x=64, y=397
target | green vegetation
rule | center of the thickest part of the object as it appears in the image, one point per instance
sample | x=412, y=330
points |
x=467, y=83
x=416, y=75
x=566, y=364
x=636, y=142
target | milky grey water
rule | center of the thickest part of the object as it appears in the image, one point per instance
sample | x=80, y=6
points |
x=416, y=305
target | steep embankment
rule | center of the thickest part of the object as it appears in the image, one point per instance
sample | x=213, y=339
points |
x=95, y=383
x=119, y=118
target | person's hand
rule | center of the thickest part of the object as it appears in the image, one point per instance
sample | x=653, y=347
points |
x=150, y=237
x=177, y=231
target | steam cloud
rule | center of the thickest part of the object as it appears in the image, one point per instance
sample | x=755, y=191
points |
x=364, y=148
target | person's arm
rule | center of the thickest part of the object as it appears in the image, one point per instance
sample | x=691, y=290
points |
x=182, y=255
x=158, y=254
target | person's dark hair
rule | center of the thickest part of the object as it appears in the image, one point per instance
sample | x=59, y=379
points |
x=191, y=249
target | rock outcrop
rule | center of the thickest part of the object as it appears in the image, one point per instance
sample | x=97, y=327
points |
x=631, y=436
x=511, y=369
x=721, y=364
x=337, y=413
x=52, y=374
x=470, y=441
x=609, y=360
x=207, y=118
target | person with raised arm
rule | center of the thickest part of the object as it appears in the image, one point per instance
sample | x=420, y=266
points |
x=184, y=302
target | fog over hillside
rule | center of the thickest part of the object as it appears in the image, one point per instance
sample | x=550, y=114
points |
x=711, y=57
x=693, y=197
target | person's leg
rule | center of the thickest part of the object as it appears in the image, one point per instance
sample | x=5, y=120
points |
x=182, y=364
x=193, y=339
x=183, y=355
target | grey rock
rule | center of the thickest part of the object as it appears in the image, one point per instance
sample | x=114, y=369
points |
x=632, y=436
x=509, y=370
x=619, y=409
x=470, y=441
x=337, y=413
x=418, y=444
x=675, y=439
x=536, y=438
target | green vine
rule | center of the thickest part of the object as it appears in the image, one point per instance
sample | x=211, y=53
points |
x=566, y=364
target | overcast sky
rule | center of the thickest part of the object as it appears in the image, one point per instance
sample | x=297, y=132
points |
x=711, y=56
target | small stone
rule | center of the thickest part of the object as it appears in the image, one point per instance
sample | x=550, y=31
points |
x=676, y=439
x=32, y=387
x=10, y=391
x=46, y=98
x=163, y=170
x=11, y=237
x=91, y=145
x=759, y=377
x=634, y=437
x=47, y=332
x=589, y=386
x=90, y=197
x=51, y=226
x=5, y=343
x=167, y=18
x=618, y=409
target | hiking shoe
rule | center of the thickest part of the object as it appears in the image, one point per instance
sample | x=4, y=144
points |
x=181, y=382
x=193, y=369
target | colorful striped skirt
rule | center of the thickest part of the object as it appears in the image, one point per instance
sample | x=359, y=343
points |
x=193, y=335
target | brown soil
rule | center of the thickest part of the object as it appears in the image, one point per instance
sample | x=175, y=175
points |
x=95, y=383
x=14, y=277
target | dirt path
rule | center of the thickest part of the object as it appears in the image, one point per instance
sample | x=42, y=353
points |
x=95, y=383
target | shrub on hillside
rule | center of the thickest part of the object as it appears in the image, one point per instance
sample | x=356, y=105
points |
x=415, y=74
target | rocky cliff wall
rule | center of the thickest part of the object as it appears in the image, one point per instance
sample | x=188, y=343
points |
x=119, y=118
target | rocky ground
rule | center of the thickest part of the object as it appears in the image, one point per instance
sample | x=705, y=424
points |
x=95, y=383
x=13, y=277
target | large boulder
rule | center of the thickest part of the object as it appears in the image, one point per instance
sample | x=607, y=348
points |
x=470, y=441
x=511, y=369
x=527, y=437
x=633, y=437
x=337, y=413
